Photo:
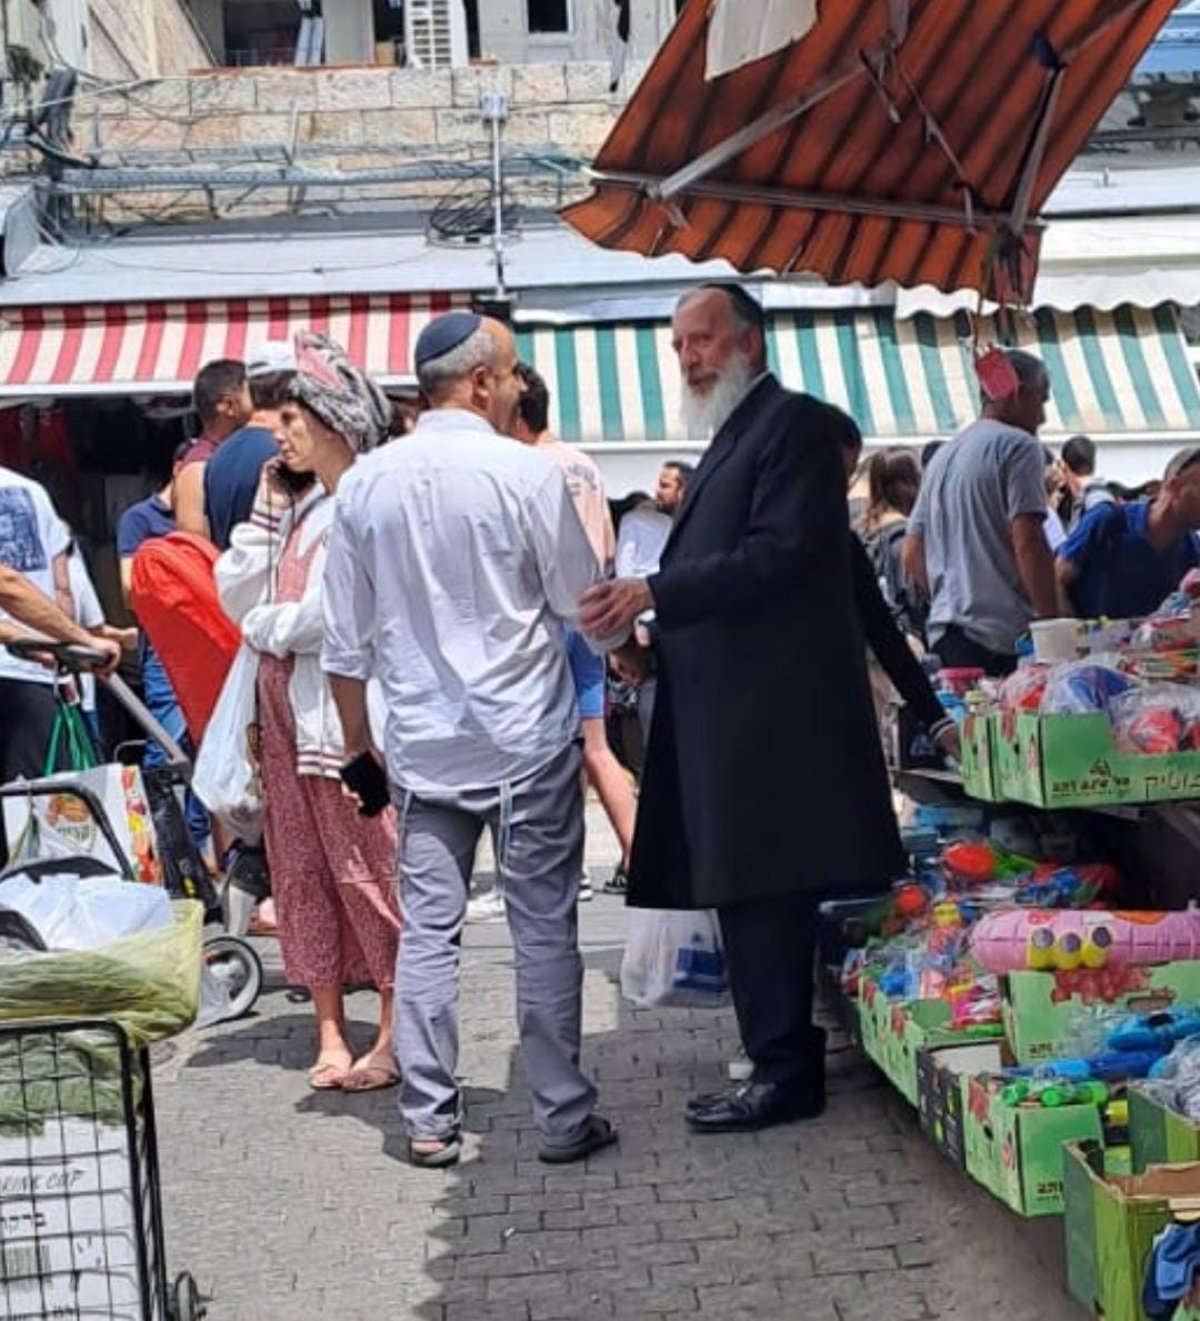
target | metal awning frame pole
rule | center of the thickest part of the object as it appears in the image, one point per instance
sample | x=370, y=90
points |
x=684, y=179
x=1041, y=137
x=860, y=206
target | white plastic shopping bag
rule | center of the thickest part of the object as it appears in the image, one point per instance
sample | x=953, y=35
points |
x=226, y=778
x=60, y=825
x=674, y=959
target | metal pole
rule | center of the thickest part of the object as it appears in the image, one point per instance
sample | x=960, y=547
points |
x=495, y=112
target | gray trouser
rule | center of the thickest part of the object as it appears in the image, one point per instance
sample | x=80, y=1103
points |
x=537, y=830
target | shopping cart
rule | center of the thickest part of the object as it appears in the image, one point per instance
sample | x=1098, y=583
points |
x=231, y=960
x=81, y=1224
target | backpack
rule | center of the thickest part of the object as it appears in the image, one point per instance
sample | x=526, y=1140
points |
x=883, y=550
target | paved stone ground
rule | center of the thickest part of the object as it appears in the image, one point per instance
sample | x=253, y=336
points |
x=290, y=1205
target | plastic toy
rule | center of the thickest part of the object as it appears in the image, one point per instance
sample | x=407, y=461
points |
x=1108, y=1066
x=1054, y=1092
x=1154, y=1031
x=1082, y=687
x=973, y=863
x=1040, y=939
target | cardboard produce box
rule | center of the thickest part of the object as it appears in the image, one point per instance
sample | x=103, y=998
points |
x=919, y=1026
x=1111, y=1222
x=1010, y=776
x=871, y=1007
x=1158, y=1135
x=940, y=1075
x=1016, y=1152
x=1038, y=1007
x=978, y=770
x=1072, y=761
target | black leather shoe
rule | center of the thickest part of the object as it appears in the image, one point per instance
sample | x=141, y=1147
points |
x=756, y=1105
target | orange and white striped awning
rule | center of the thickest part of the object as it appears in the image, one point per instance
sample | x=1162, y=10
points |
x=158, y=347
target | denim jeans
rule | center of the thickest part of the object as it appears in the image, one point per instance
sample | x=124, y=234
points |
x=160, y=699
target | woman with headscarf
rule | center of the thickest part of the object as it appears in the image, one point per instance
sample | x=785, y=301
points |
x=333, y=872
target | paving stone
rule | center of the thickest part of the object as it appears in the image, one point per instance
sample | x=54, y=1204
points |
x=850, y=1217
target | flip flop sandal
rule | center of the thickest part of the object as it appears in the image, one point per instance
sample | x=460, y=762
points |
x=375, y=1077
x=327, y=1077
x=439, y=1159
x=600, y=1134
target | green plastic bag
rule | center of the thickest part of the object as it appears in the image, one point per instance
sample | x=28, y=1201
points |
x=148, y=983
x=69, y=737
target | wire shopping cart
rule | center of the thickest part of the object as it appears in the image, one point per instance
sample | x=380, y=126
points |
x=81, y=1225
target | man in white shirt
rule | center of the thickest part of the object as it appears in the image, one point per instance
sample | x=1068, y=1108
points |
x=455, y=559
x=33, y=542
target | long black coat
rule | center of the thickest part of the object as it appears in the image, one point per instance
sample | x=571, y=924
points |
x=764, y=775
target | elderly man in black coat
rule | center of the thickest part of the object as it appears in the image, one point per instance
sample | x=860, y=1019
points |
x=764, y=784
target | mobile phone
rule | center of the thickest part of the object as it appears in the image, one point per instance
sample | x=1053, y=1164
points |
x=295, y=483
x=365, y=777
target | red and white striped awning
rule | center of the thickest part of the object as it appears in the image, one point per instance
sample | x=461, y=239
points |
x=158, y=347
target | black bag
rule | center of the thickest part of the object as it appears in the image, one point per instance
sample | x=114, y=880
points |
x=883, y=550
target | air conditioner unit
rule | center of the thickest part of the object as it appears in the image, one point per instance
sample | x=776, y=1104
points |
x=435, y=33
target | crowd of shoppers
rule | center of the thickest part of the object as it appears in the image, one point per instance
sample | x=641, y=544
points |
x=440, y=600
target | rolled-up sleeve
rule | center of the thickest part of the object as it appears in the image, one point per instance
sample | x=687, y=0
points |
x=348, y=648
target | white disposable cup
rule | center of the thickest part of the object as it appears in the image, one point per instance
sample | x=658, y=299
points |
x=1055, y=640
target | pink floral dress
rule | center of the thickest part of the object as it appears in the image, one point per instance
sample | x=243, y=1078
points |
x=333, y=873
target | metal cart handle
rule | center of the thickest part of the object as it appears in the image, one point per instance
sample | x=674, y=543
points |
x=75, y=658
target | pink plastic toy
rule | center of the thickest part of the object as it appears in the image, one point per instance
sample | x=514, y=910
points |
x=1039, y=939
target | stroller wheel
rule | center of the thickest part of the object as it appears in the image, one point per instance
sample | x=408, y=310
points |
x=238, y=968
x=186, y=1302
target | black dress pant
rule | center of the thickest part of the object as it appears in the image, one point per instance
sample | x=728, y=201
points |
x=957, y=651
x=27, y=712
x=769, y=947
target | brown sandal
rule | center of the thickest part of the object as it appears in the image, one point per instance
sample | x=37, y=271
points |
x=367, y=1077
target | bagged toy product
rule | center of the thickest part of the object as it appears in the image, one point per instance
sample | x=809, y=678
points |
x=1084, y=687
x=1157, y=719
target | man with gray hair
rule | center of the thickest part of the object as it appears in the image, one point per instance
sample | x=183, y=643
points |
x=976, y=545
x=763, y=727
x=455, y=559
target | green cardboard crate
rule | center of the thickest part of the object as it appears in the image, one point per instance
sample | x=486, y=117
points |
x=1110, y=1223
x=924, y=1025
x=1016, y=1152
x=1157, y=1135
x=1072, y=761
x=1009, y=776
x=871, y=1005
x=1038, y=1007
x=940, y=1074
x=978, y=769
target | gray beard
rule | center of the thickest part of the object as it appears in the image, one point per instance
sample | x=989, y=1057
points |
x=703, y=415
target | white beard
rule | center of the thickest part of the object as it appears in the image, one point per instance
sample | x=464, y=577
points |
x=703, y=415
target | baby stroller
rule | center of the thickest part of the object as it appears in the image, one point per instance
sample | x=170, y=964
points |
x=231, y=960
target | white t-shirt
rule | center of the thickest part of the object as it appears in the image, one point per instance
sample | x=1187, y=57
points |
x=31, y=536
x=89, y=613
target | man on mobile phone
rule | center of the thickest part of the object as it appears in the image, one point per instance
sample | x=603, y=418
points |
x=455, y=559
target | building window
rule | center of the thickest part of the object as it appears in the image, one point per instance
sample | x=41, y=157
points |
x=548, y=15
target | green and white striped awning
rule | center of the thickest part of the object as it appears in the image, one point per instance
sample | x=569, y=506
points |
x=1125, y=372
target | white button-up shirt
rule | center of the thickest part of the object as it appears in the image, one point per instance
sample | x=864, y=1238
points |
x=455, y=558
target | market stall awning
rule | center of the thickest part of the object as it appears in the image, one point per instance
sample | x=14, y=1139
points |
x=1124, y=373
x=158, y=347
x=897, y=139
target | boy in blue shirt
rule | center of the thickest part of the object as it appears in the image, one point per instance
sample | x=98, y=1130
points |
x=1123, y=561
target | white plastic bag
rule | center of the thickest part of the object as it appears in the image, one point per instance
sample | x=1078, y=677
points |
x=674, y=959
x=226, y=776
x=85, y=912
